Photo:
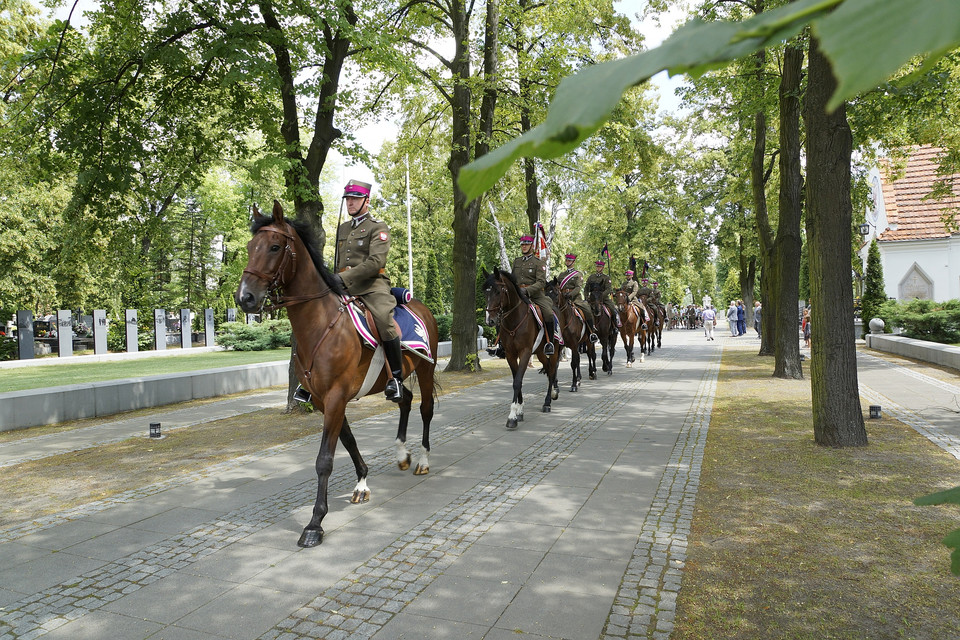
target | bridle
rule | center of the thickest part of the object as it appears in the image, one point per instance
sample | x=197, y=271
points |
x=501, y=314
x=278, y=279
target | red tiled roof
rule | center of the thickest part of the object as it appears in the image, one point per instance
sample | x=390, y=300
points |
x=912, y=215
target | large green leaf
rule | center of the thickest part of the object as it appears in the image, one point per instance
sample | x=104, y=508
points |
x=584, y=101
x=867, y=41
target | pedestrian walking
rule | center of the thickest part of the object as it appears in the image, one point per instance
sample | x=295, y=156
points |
x=732, y=318
x=757, y=311
x=709, y=317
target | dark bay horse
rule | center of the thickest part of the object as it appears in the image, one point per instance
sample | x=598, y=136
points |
x=285, y=269
x=604, y=322
x=632, y=326
x=574, y=331
x=520, y=336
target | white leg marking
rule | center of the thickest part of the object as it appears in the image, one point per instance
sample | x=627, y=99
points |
x=513, y=410
x=401, y=450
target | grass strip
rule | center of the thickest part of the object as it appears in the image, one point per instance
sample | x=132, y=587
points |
x=53, y=374
x=793, y=540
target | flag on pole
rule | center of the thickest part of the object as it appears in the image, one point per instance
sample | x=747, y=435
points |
x=605, y=253
x=541, y=241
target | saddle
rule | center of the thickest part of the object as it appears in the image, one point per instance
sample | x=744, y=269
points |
x=410, y=327
x=538, y=314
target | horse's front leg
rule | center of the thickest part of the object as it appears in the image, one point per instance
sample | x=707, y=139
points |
x=333, y=423
x=575, y=368
x=516, y=407
x=553, y=392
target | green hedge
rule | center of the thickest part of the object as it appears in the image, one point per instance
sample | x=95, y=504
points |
x=924, y=319
x=269, y=334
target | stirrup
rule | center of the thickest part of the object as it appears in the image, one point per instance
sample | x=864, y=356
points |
x=301, y=394
x=393, y=390
x=548, y=349
x=594, y=337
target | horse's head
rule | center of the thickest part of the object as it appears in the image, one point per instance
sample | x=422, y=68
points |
x=553, y=289
x=620, y=298
x=493, y=292
x=595, y=296
x=271, y=260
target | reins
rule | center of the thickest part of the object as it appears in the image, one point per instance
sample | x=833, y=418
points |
x=279, y=301
x=502, y=315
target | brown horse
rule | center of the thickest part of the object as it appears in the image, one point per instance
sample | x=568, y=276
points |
x=574, y=331
x=285, y=268
x=632, y=325
x=509, y=307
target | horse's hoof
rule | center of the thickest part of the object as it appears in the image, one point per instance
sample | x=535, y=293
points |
x=360, y=496
x=593, y=376
x=511, y=424
x=554, y=394
x=546, y=408
x=520, y=417
x=404, y=464
x=610, y=372
x=573, y=389
x=310, y=538
x=421, y=470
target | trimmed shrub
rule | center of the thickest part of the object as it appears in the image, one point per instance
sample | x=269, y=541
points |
x=874, y=294
x=444, y=321
x=925, y=319
x=262, y=336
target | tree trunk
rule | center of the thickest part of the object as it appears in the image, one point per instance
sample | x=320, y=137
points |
x=787, y=244
x=837, y=415
x=768, y=263
x=466, y=215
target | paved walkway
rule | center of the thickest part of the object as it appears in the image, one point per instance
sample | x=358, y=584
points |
x=574, y=526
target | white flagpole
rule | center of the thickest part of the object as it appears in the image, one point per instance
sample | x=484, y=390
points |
x=409, y=232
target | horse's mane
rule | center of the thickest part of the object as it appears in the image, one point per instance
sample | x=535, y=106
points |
x=520, y=291
x=305, y=232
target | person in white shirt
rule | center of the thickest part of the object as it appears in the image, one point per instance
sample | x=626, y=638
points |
x=709, y=317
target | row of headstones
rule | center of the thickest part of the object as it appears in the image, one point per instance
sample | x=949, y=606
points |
x=27, y=346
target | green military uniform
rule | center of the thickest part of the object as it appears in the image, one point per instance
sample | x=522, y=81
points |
x=571, y=281
x=362, y=247
x=655, y=295
x=530, y=272
x=607, y=290
x=632, y=288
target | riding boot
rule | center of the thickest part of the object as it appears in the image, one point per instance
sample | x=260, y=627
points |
x=394, y=389
x=593, y=329
x=548, y=348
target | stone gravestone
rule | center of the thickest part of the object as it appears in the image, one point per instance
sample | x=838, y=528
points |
x=159, y=329
x=25, y=335
x=65, y=332
x=133, y=331
x=231, y=315
x=185, y=325
x=208, y=328
x=99, y=331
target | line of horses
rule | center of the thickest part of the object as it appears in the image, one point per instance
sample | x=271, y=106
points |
x=521, y=333
x=285, y=269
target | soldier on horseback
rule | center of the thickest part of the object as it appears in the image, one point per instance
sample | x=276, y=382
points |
x=601, y=277
x=632, y=288
x=530, y=272
x=362, y=246
x=571, y=281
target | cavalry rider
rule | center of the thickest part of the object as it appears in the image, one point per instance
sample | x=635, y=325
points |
x=571, y=281
x=362, y=246
x=655, y=294
x=632, y=288
x=530, y=272
x=600, y=276
x=644, y=289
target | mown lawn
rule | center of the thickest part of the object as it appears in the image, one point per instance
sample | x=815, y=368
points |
x=53, y=374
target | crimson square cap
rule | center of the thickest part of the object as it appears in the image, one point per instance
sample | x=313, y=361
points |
x=357, y=189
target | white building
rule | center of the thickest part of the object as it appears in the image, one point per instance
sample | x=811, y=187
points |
x=920, y=258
